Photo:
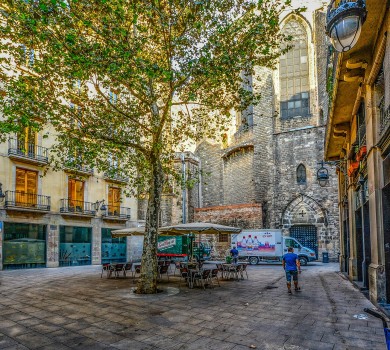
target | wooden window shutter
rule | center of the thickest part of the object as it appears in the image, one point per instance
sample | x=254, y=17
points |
x=114, y=199
x=32, y=182
x=20, y=180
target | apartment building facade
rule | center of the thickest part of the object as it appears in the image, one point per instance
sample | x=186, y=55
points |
x=57, y=218
x=358, y=138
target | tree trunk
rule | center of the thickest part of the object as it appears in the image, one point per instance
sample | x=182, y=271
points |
x=147, y=283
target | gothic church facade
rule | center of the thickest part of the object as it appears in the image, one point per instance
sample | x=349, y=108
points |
x=264, y=174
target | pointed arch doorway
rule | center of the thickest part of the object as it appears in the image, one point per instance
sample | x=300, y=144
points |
x=306, y=235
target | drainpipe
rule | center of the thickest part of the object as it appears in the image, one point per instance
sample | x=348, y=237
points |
x=184, y=191
x=346, y=220
x=364, y=267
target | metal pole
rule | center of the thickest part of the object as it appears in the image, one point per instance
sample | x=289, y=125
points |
x=184, y=191
x=364, y=267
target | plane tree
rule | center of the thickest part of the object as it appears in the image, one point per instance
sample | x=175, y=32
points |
x=131, y=80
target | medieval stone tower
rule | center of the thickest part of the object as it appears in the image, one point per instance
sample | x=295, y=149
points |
x=265, y=174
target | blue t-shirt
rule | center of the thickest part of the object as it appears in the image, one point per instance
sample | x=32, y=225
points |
x=291, y=261
x=234, y=252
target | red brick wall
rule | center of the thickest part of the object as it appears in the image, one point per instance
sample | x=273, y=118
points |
x=245, y=216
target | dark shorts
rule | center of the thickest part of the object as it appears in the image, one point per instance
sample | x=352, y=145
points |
x=293, y=274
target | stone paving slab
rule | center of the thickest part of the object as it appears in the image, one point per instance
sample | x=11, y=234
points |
x=73, y=308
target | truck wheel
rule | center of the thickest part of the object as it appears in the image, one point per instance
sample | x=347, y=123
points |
x=303, y=260
x=253, y=260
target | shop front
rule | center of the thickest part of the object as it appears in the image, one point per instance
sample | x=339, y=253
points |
x=113, y=249
x=24, y=246
x=75, y=245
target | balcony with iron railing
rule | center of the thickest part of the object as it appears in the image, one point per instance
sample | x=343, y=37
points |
x=26, y=201
x=27, y=152
x=77, y=208
x=115, y=177
x=384, y=118
x=116, y=213
x=73, y=166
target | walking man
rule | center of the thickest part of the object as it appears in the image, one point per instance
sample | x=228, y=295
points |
x=292, y=267
x=234, y=254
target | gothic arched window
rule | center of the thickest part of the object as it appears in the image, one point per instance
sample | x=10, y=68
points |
x=294, y=74
x=301, y=174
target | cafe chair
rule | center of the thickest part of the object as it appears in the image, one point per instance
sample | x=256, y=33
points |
x=105, y=268
x=127, y=268
x=163, y=270
x=177, y=267
x=137, y=269
x=221, y=269
x=214, y=276
x=185, y=276
x=117, y=269
x=201, y=277
x=243, y=269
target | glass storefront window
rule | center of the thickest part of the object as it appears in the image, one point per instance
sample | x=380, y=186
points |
x=75, y=245
x=24, y=246
x=113, y=249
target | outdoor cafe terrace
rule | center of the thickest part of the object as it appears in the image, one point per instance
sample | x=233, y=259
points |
x=181, y=274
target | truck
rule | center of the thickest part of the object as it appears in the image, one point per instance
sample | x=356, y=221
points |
x=268, y=246
x=172, y=247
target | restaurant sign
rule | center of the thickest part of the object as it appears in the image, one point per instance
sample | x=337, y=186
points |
x=166, y=244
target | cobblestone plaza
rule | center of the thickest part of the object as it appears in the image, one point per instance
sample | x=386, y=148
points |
x=73, y=308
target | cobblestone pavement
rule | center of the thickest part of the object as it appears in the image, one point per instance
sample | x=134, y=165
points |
x=73, y=308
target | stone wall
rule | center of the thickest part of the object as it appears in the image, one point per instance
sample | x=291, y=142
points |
x=264, y=115
x=319, y=204
x=322, y=47
x=211, y=173
x=238, y=184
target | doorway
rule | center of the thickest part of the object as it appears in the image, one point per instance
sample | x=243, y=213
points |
x=386, y=235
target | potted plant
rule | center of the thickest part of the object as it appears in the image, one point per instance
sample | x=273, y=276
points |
x=361, y=153
x=353, y=166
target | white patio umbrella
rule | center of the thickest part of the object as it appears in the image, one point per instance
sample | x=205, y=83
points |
x=130, y=231
x=138, y=231
x=199, y=228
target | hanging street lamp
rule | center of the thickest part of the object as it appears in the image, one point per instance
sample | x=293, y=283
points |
x=322, y=175
x=344, y=23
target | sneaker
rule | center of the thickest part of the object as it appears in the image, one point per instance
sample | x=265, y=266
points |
x=289, y=291
x=298, y=289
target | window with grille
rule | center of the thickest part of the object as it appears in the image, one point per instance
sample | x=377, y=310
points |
x=223, y=237
x=294, y=74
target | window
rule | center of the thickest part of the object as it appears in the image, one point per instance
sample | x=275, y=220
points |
x=291, y=243
x=113, y=97
x=27, y=56
x=223, y=237
x=76, y=194
x=26, y=186
x=301, y=174
x=294, y=74
x=114, y=200
x=27, y=141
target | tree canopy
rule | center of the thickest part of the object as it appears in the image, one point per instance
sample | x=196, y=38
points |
x=132, y=80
